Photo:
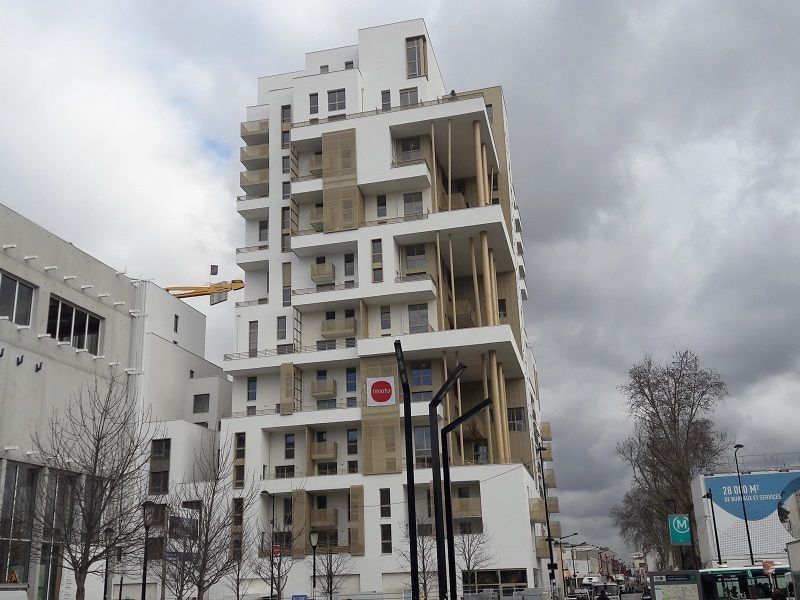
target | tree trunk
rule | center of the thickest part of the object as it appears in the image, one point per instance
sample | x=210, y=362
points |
x=80, y=585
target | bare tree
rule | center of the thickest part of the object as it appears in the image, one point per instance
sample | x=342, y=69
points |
x=218, y=504
x=674, y=438
x=276, y=556
x=642, y=524
x=239, y=580
x=333, y=564
x=177, y=561
x=426, y=555
x=96, y=450
x=473, y=552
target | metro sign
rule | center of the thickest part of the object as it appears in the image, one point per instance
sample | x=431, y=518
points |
x=381, y=391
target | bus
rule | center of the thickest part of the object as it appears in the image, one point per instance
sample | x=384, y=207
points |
x=744, y=582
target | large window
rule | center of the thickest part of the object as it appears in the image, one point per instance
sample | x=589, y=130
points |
x=16, y=299
x=16, y=521
x=410, y=149
x=422, y=447
x=336, y=100
x=160, y=449
x=421, y=381
x=67, y=323
x=516, y=419
x=415, y=56
x=200, y=403
x=418, y=318
x=412, y=204
x=284, y=471
x=415, y=257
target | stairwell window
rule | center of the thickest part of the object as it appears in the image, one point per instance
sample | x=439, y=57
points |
x=415, y=57
x=352, y=441
x=336, y=100
x=502, y=310
x=285, y=164
x=386, y=503
x=386, y=317
x=422, y=447
x=351, y=379
x=286, y=190
x=16, y=300
x=288, y=446
x=263, y=231
x=349, y=265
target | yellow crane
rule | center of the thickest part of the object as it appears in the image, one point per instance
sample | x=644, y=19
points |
x=218, y=292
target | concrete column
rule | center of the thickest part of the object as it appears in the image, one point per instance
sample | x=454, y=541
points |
x=487, y=191
x=487, y=420
x=460, y=412
x=501, y=376
x=452, y=280
x=449, y=165
x=487, y=279
x=498, y=407
x=439, y=285
x=434, y=196
x=476, y=136
x=495, y=310
x=475, y=282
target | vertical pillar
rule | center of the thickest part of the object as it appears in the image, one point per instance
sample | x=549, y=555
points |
x=498, y=408
x=439, y=285
x=493, y=278
x=501, y=376
x=476, y=137
x=460, y=412
x=487, y=279
x=452, y=280
x=435, y=194
x=490, y=438
x=475, y=283
x=449, y=166
x=487, y=190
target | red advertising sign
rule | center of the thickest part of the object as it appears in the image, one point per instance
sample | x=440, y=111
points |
x=380, y=391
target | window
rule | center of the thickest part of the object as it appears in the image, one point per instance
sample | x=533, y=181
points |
x=286, y=245
x=336, y=100
x=408, y=97
x=386, y=503
x=252, y=339
x=323, y=68
x=348, y=64
x=200, y=404
x=286, y=139
x=412, y=204
x=352, y=441
x=490, y=113
x=286, y=191
x=175, y=323
x=240, y=439
x=238, y=476
x=284, y=471
x=16, y=300
x=410, y=149
x=465, y=528
x=421, y=374
x=352, y=466
x=313, y=103
x=285, y=216
x=250, y=410
x=352, y=402
x=386, y=538
x=288, y=446
x=415, y=257
x=417, y=318
x=281, y=328
x=159, y=483
x=415, y=57
x=350, y=379
x=386, y=100
x=422, y=447
x=286, y=114
x=238, y=512
x=377, y=252
x=322, y=375
x=377, y=275
x=285, y=348
x=501, y=307
x=349, y=265
x=326, y=468
x=326, y=345
x=287, y=511
x=252, y=386
x=516, y=419
x=330, y=315
x=495, y=182
x=160, y=449
x=285, y=164
x=67, y=323
x=386, y=317
x=380, y=206
x=321, y=436
x=263, y=231
x=322, y=502
x=286, y=275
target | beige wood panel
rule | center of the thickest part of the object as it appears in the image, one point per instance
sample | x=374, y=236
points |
x=357, y=520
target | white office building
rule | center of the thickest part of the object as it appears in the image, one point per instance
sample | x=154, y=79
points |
x=379, y=205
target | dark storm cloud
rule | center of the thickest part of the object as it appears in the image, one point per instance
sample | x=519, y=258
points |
x=656, y=156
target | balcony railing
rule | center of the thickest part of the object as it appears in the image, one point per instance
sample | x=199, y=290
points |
x=312, y=176
x=252, y=128
x=324, y=518
x=414, y=277
x=256, y=302
x=338, y=328
x=252, y=248
x=466, y=507
x=323, y=389
x=326, y=288
x=323, y=451
x=384, y=221
x=323, y=274
x=545, y=431
x=289, y=349
x=378, y=111
x=254, y=177
x=258, y=152
x=317, y=218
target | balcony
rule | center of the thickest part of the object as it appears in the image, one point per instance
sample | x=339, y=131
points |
x=316, y=165
x=545, y=431
x=254, y=302
x=323, y=274
x=316, y=218
x=555, y=529
x=550, y=479
x=542, y=547
x=323, y=389
x=547, y=453
x=255, y=182
x=465, y=316
x=255, y=132
x=457, y=202
x=536, y=508
x=324, y=518
x=323, y=451
x=464, y=508
x=253, y=258
x=339, y=328
x=254, y=157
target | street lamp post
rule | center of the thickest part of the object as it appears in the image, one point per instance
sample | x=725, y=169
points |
x=738, y=447
x=108, y=533
x=271, y=545
x=550, y=566
x=314, y=539
x=561, y=553
x=710, y=497
x=147, y=505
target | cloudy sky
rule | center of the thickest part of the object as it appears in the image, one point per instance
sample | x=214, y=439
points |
x=656, y=150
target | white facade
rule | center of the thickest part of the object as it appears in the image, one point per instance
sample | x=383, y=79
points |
x=338, y=156
x=151, y=339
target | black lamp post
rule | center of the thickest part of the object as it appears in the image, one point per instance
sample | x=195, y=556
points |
x=561, y=552
x=271, y=545
x=108, y=533
x=147, y=505
x=314, y=539
x=744, y=506
x=710, y=497
x=551, y=566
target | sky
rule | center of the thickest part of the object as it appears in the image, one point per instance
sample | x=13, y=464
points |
x=656, y=158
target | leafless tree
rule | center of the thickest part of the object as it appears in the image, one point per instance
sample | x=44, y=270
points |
x=426, y=555
x=239, y=580
x=674, y=438
x=276, y=555
x=473, y=552
x=642, y=524
x=334, y=564
x=96, y=451
x=218, y=505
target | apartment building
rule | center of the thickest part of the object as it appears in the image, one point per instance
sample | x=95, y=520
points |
x=379, y=205
x=67, y=319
